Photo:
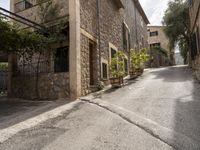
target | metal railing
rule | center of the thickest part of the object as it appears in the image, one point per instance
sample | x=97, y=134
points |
x=41, y=67
x=3, y=82
x=31, y=68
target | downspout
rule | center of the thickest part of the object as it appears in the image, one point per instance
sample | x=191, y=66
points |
x=99, y=35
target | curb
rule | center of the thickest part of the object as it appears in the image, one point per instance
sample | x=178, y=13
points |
x=172, y=138
x=7, y=133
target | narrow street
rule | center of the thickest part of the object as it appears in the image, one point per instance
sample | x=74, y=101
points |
x=168, y=98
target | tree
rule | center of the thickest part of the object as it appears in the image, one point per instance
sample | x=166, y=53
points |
x=177, y=26
x=21, y=42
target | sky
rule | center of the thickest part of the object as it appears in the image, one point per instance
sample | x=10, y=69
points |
x=5, y=4
x=154, y=10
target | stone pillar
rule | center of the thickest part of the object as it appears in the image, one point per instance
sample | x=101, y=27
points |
x=74, y=49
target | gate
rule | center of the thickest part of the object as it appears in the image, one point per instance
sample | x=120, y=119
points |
x=3, y=82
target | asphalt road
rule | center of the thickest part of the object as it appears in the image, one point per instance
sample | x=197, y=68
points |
x=168, y=96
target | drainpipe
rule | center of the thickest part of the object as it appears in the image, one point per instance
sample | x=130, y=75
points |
x=99, y=35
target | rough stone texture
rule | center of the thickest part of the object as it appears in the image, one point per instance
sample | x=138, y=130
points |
x=196, y=68
x=85, y=66
x=32, y=13
x=195, y=28
x=51, y=86
x=111, y=30
x=136, y=24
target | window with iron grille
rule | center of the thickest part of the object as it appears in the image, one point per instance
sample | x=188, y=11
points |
x=104, y=71
x=61, y=60
x=22, y=5
x=155, y=33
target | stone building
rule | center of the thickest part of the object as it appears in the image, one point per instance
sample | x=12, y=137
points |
x=194, y=8
x=97, y=29
x=160, y=52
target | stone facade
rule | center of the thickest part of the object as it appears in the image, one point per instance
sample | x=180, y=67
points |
x=194, y=6
x=109, y=32
x=95, y=27
x=50, y=86
x=156, y=35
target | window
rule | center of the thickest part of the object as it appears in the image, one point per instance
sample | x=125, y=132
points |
x=194, y=51
x=22, y=5
x=61, y=62
x=142, y=22
x=190, y=2
x=198, y=39
x=155, y=33
x=126, y=65
x=104, y=71
x=142, y=42
x=155, y=45
x=113, y=52
x=126, y=37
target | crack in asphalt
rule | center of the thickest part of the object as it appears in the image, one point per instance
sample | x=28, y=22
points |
x=130, y=121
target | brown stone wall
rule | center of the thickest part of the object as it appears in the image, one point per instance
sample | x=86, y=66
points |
x=111, y=31
x=136, y=24
x=193, y=13
x=51, y=86
x=195, y=28
x=88, y=14
x=197, y=68
x=111, y=27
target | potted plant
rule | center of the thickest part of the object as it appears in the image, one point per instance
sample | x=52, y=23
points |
x=137, y=60
x=117, y=69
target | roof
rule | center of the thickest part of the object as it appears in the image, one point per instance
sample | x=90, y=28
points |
x=141, y=11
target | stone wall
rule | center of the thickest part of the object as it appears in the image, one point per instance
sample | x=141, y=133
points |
x=111, y=32
x=85, y=65
x=195, y=28
x=197, y=68
x=50, y=86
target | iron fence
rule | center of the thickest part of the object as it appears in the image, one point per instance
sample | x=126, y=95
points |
x=31, y=68
x=43, y=66
x=3, y=82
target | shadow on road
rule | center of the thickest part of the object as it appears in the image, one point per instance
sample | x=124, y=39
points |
x=186, y=102
x=170, y=74
x=13, y=112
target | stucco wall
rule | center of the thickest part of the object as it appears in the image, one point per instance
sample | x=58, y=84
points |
x=161, y=38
